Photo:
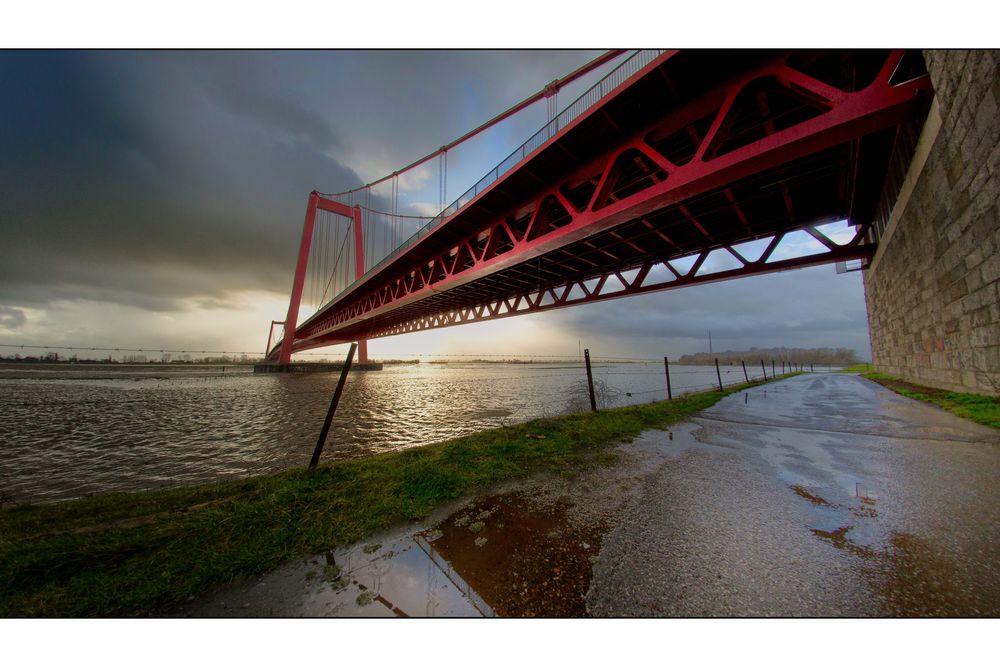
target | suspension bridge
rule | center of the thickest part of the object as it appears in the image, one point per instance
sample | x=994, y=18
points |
x=676, y=168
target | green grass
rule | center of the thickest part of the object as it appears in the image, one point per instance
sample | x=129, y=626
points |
x=975, y=407
x=142, y=553
x=857, y=368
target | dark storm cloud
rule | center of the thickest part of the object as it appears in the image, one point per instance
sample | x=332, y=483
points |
x=138, y=178
x=273, y=113
x=145, y=178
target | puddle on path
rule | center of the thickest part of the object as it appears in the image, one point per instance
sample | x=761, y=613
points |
x=903, y=571
x=501, y=555
x=394, y=574
x=832, y=521
x=523, y=558
x=803, y=492
x=910, y=579
x=404, y=577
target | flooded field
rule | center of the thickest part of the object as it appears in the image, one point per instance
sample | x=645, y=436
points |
x=69, y=431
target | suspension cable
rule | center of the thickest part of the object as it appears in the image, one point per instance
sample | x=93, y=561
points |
x=399, y=215
x=333, y=271
x=526, y=102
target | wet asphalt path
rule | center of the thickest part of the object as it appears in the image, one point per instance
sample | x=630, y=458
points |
x=821, y=495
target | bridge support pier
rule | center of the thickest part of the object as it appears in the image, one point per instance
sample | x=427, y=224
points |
x=932, y=287
x=285, y=354
x=359, y=270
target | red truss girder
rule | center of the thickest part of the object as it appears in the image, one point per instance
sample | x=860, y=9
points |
x=616, y=284
x=634, y=181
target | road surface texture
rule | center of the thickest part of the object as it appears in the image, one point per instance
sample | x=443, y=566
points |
x=819, y=495
x=822, y=495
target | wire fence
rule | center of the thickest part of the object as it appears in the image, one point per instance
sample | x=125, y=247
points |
x=620, y=388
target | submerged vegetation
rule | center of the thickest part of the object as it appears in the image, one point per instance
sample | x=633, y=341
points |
x=976, y=407
x=144, y=553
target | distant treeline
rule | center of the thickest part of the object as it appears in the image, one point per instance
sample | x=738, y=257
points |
x=130, y=360
x=840, y=356
x=484, y=361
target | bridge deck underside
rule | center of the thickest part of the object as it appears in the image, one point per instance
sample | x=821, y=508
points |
x=697, y=152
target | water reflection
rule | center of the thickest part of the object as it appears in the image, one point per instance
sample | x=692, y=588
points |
x=512, y=554
x=405, y=577
x=70, y=432
x=399, y=575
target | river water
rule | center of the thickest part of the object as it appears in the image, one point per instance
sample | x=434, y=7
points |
x=69, y=431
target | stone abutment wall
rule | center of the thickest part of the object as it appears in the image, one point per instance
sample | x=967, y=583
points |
x=933, y=288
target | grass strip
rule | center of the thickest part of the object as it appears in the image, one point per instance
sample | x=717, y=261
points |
x=139, y=554
x=981, y=409
x=857, y=368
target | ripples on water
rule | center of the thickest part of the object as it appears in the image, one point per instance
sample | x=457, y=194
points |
x=71, y=432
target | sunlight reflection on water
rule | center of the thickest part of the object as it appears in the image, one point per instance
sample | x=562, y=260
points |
x=69, y=434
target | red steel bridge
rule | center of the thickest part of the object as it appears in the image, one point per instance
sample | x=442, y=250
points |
x=677, y=168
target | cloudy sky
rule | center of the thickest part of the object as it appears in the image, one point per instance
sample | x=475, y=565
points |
x=154, y=199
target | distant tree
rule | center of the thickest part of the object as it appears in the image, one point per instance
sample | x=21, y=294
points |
x=840, y=356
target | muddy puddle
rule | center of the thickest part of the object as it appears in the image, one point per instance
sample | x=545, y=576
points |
x=524, y=550
x=503, y=555
x=523, y=558
x=395, y=574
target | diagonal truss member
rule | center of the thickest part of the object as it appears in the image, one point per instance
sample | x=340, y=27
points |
x=666, y=167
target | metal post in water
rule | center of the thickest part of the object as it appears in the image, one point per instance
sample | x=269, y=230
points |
x=333, y=407
x=590, y=381
x=666, y=367
x=762, y=369
x=717, y=374
x=745, y=375
x=772, y=368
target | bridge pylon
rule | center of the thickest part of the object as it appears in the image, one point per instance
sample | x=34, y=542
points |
x=305, y=245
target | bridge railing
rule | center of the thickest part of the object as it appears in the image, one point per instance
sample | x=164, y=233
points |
x=592, y=96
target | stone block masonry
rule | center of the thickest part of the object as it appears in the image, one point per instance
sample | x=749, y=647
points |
x=933, y=288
